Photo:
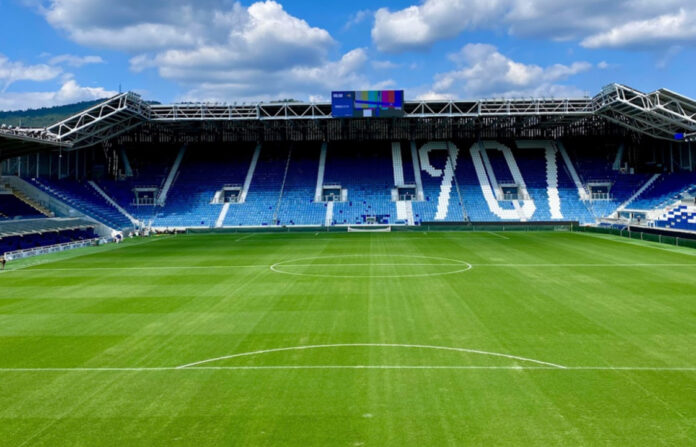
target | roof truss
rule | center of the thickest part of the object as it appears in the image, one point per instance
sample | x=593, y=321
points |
x=660, y=114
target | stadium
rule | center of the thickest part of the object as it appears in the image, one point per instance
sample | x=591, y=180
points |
x=622, y=160
x=406, y=273
x=365, y=223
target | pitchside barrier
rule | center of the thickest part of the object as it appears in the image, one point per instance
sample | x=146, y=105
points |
x=270, y=229
x=663, y=236
x=496, y=226
x=30, y=252
x=425, y=226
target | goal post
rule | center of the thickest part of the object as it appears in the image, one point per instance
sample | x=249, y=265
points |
x=369, y=229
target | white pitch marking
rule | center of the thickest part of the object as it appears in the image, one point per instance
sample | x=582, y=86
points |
x=87, y=369
x=470, y=235
x=245, y=237
x=367, y=264
x=301, y=367
x=372, y=345
x=455, y=367
x=586, y=265
x=206, y=267
x=393, y=239
x=144, y=268
x=498, y=235
x=277, y=267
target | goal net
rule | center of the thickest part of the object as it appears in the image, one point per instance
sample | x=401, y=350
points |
x=370, y=229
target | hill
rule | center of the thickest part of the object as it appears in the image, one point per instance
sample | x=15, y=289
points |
x=44, y=116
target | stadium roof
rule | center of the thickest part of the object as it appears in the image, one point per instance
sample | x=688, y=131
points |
x=661, y=114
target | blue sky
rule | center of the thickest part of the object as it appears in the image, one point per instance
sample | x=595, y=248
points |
x=61, y=51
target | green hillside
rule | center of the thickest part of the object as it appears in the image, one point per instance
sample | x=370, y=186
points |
x=44, y=116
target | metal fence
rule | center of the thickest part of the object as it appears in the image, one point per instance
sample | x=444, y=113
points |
x=661, y=238
x=512, y=226
x=36, y=251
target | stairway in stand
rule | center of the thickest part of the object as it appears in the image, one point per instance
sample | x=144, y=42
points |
x=328, y=220
x=552, y=183
x=29, y=201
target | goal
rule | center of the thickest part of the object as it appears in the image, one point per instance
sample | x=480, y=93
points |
x=369, y=229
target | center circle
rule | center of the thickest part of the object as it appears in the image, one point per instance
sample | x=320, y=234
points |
x=374, y=266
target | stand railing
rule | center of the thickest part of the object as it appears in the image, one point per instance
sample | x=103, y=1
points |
x=29, y=252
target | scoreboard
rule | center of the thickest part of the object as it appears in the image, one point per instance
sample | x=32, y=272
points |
x=367, y=104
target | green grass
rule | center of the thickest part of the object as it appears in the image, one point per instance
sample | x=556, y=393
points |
x=90, y=342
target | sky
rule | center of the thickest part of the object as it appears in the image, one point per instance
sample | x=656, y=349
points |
x=55, y=52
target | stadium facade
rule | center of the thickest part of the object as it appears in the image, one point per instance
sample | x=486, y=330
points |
x=621, y=156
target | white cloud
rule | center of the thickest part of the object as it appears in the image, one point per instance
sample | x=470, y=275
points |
x=293, y=82
x=484, y=72
x=269, y=39
x=11, y=72
x=434, y=96
x=75, y=61
x=544, y=90
x=358, y=18
x=136, y=25
x=217, y=49
x=597, y=23
x=668, y=28
x=433, y=20
x=68, y=93
x=382, y=85
x=385, y=65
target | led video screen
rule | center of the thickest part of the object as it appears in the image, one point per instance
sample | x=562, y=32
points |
x=367, y=104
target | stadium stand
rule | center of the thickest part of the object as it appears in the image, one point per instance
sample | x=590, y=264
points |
x=665, y=191
x=441, y=193
x=259, y=205
x=268, y=164
x=680, y=217
x=149, y=169
x=12, y=207
x=572, y=207
x=30, y=226
x=202, y=173
x=85, y=199
x=595, y=165
x=16, y=243
x=297, y=205
x=276, y=184
x=476, y=207
x=367, y=175
x=32, y=233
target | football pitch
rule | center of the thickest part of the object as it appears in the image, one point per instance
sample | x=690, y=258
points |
x=378, y=339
